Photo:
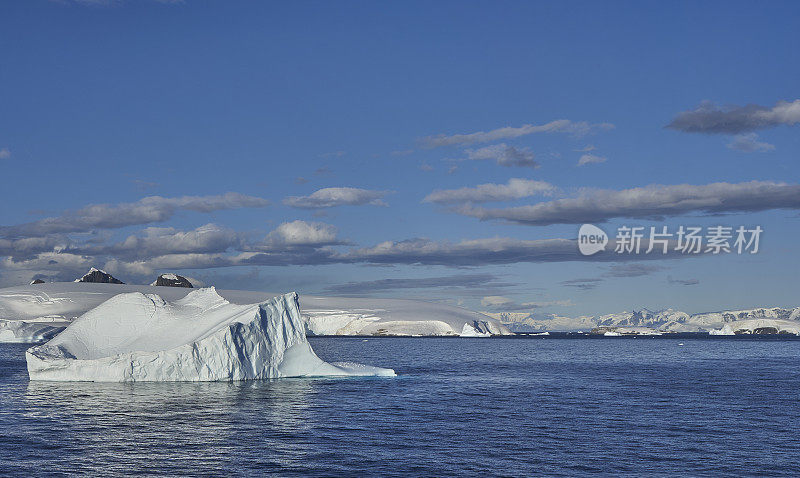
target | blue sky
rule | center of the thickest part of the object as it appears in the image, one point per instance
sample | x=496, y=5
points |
x=107, y=103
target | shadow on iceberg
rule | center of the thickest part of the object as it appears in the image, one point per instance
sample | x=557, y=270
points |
x=202, y=337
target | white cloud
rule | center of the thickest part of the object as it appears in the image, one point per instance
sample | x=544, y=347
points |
x=748, y=143
x=5, y=153
x=508, y=132
x=465, y=281
x=503, y=155
x=590, y=159
x=147, y=210
x=504, y=304
x=654, y=201
x=516, y=188
x=159, y=241
x=331, y=197
x=302, y=233
x=711, y=119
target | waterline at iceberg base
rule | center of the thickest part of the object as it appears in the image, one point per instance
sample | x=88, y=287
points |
x=201, y=337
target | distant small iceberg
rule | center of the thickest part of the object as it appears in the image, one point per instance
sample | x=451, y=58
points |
x=725, y=330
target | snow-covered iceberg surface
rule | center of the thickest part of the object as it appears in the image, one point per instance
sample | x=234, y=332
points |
x=201, y=337
x=31, y=331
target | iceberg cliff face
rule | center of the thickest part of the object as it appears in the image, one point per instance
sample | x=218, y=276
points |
x=202, y=337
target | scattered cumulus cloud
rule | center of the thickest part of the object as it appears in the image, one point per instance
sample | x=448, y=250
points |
x=503, y=155
x=485, y=251
x=292, y=244
x=632, y=270
x=649, y=202
x=497, y=303
x=332, y=197
x=578, y=128
x=682, y=281
x=590, y=159
x=30, y=247
x=159, y=241
x=516, y=188
x=303, y=234
x=709, y=118
x=463, y=281
x=147, y=210
x=583, y=284
x=749, y=143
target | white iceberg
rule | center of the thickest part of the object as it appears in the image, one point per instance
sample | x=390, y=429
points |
x=201, y=337
x=32, y=330
x=725, y=330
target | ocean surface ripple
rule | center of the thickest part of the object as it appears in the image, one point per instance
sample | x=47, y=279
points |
x=459, y=407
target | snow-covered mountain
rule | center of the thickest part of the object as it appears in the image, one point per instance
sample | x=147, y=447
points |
x=527, y=322
x=172, y=280
x=668, y=320
x=29, y=313
x=98, y=276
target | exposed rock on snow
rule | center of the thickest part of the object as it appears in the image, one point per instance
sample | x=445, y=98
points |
x=99, y=277
x=614, y=331
x=321, y=315
x=37, y=281
x=764, y=327
x=172, y=280
x=201, y=337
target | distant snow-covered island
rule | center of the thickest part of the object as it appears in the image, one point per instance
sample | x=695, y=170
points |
x=765, y=320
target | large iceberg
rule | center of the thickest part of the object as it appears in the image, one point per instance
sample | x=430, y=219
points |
x=201, y=337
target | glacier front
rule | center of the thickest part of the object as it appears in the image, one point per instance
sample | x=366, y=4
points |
x=201, y=337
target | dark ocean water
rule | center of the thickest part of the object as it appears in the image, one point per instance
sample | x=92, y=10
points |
x=460, y=407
